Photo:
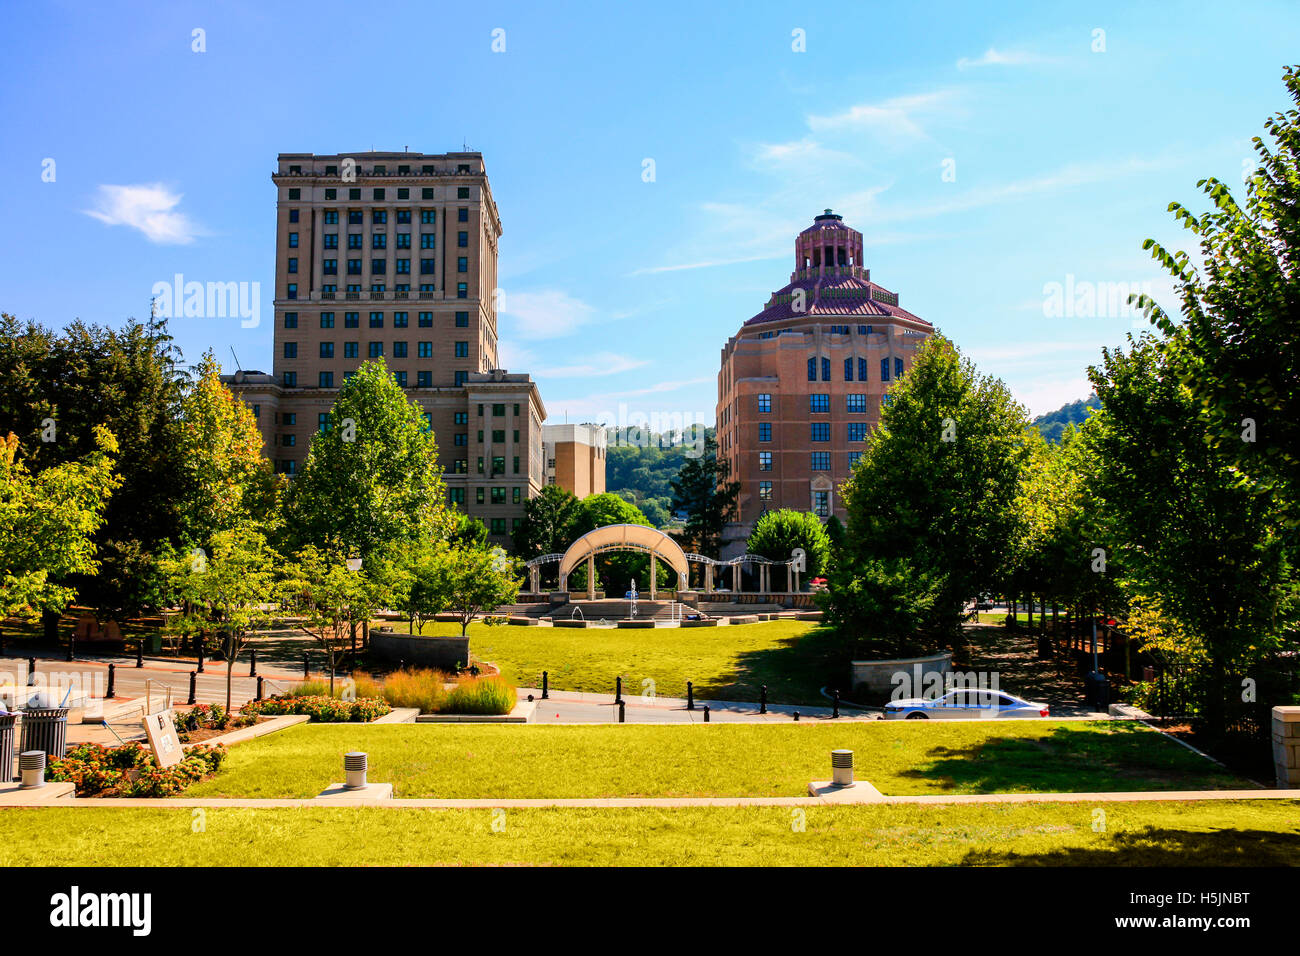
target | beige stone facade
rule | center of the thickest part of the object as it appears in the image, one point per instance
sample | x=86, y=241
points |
x=394, y=255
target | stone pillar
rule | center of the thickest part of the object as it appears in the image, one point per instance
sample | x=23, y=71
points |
x=591, y=577
x=654, y=577
x=1286, y=747
x=534, y=573
x=708, y=579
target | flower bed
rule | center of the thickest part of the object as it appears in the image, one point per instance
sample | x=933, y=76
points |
x=131, y=770
x=324, y=710
x=208, y=720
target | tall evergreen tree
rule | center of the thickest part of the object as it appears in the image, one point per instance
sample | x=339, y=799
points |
x=703, y=491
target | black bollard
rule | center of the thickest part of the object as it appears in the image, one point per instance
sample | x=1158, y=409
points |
x=198, y=641
x=112, y=680
x=622, y=712
x=835, y=705
x=194, y=687
x=545, y=689
x=762, y=700
x=305, y=672
x=72, y=646
x=31, y=671
x=796, y=715
x=618, y=690
x=252, y=662
x=259, y=689
x=706, y=713
x=690, y=696
x=139, y=652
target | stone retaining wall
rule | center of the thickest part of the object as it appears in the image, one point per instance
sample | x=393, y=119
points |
x=1286, y=747
x=441, y=653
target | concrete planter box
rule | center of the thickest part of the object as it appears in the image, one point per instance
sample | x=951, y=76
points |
x=570, y=623
x=743, y=619
x=631, y=623
x=808, y=616
x=523, y=621
x=441, y=653
x=522, y=714
x=709, y=622
x=878, y=676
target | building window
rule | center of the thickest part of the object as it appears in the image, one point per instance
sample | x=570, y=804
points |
x=331, y=217
x=462, y=240
x=403, y=240
x=516, y=495
x=826, y=370
x=819, y=403
x=462, y=192
x=853, y=458
x=400, y=377
x=403, y=215
x=462, y=290
x=291, y=320
x=376, y=320
x=426, y=267
x=462, y=320
x=294, y=194
x=351, y=349
x=329, y=267
x=884, y=370
x=352, y=320
x=378, y=267
x=462, y=214
x=379, y=241
x=456, y=495
x=898, y=368
x=857, y=431
x=765, y=490
x=376, y=350
x=479, y=495
x=462, y=350
x=288, y=440
x=498, y=496
x=462, y=264
x=426, y=320
x=380, y=215
x=427, y=215
x=327, y=320
x=848, y=369
x=822, y=504
x=354, y=267
x=424, y=379
x=326, y=379
x=330, y=240
x=498, y=436
x=461, y=438
x=401, y=320
x=293, y=240
x=399, y=350
x=462, y=418
x=855, y=403
x=323, y=421
x=424, y=349
x=257, y=411
x=462, y=377
x=291, y=350
x=764, y=431
x=292, y=292
x=498, y=525
x=355, y=216
x=821, y=461
x=812, y=369
x=327, y=350
x=764, y=403
x=354, y=241
x=821, y=431
x=862, y=370
x=764, y=461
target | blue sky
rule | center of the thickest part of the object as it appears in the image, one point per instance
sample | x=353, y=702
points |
x=984, y=150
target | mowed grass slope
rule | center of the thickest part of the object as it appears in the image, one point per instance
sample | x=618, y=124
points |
x=1212, y=833
x=725, y=663
x=694, y=760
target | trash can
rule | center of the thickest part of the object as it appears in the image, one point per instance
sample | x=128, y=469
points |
x=1098, y=689
x=46, y=729
x=7, y=747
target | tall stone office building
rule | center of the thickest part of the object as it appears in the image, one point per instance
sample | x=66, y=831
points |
x=802, y=382
x=394, y=255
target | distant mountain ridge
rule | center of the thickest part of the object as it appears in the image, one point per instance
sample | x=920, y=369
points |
x=1054, y=423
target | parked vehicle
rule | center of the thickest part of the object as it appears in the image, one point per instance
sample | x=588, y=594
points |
x=964, y=705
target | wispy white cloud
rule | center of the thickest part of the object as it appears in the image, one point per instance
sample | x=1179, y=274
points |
x=545, y=314
x=994, y=57
x=150, y=208
x=897, y=118
x=606, y=406
x=709, y=263
x=596, y=364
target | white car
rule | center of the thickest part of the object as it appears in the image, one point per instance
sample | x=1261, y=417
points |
x=964, y=705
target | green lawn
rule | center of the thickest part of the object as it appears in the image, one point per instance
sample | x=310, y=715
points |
x=687, y=760
x=1243, y=833
x=793, y=658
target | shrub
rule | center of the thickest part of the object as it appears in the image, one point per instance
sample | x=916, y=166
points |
x=131, y=770
x=481, y=695
x=422, y=688
x=324, y=710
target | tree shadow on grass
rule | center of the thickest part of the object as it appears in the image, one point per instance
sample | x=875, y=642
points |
x=1160, y=846
x=794, y=671
x=1070, y=758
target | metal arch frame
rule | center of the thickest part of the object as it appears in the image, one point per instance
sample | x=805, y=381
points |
x=543, y=559
x=618, y=537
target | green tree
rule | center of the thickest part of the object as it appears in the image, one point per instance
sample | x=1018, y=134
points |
x=228, y=483
x=330, y=597
x=474, y=581
x=703, y=491
x=1186, y=533
x=931, y=504
x=48, y=520
x=229, y=590
x=777, y=533
x=617, y=569
x=1236, y=346
x=547, y=525
x=372, y=477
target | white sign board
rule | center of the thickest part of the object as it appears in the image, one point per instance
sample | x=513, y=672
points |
x=161, y=729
